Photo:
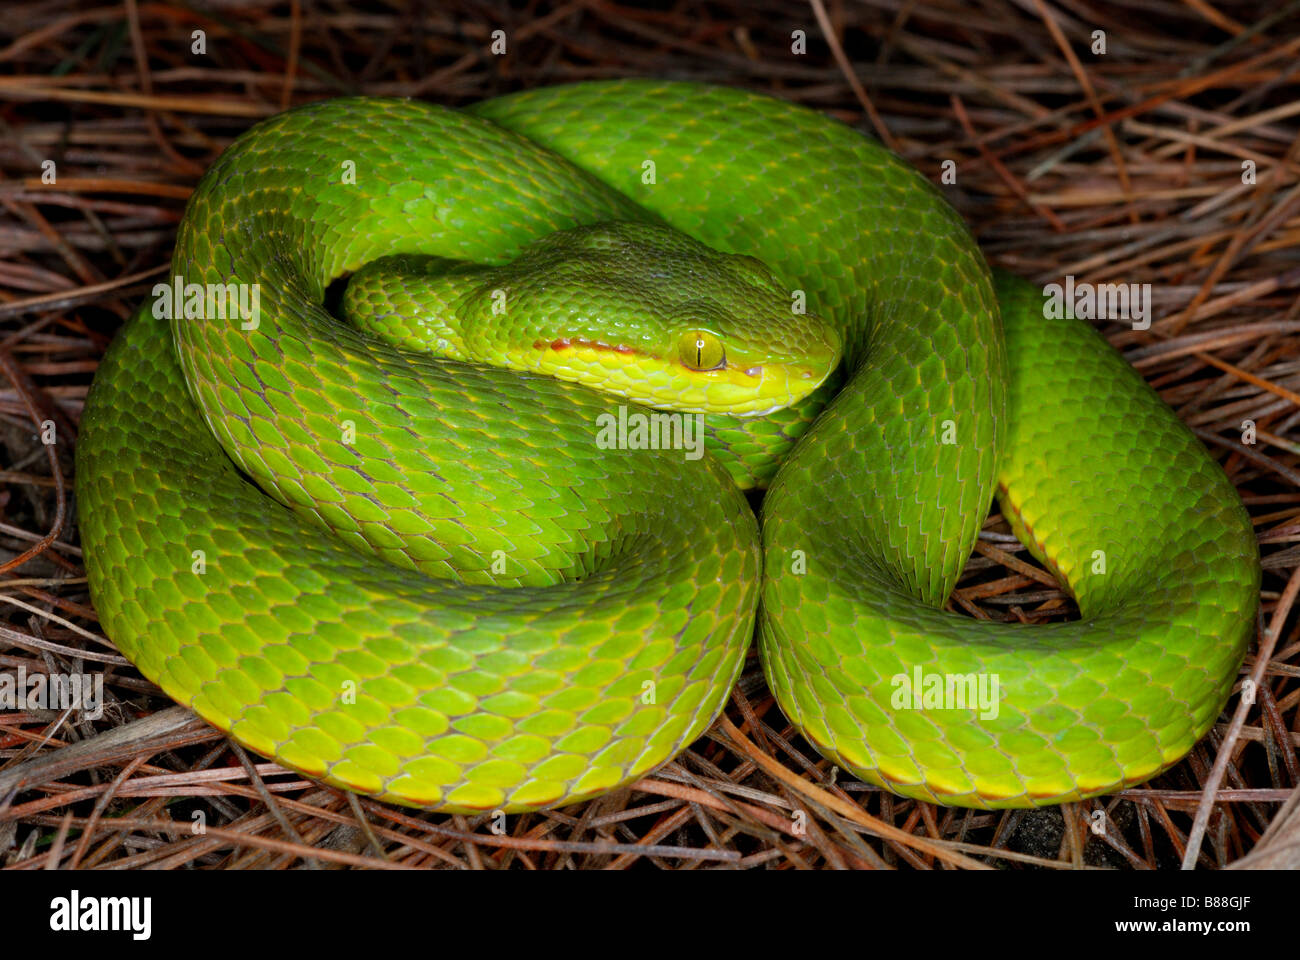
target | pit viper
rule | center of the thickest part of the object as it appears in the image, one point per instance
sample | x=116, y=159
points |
x=426, y=578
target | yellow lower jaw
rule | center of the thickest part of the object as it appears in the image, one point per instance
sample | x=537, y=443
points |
x=739, y=394
x=730, y=390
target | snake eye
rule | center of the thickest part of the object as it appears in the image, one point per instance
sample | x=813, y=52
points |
x=700, y=350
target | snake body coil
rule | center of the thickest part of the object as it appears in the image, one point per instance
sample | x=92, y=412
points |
x=453, y=597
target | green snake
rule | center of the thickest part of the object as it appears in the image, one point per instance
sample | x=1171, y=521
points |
x=421, y=577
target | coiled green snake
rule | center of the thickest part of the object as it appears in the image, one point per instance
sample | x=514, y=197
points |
x=425, y=578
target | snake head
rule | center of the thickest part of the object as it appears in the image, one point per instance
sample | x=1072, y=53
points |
x=646, y=312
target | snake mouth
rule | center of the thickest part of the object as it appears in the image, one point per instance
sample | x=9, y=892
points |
x=751, y=391
x=737, y=387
